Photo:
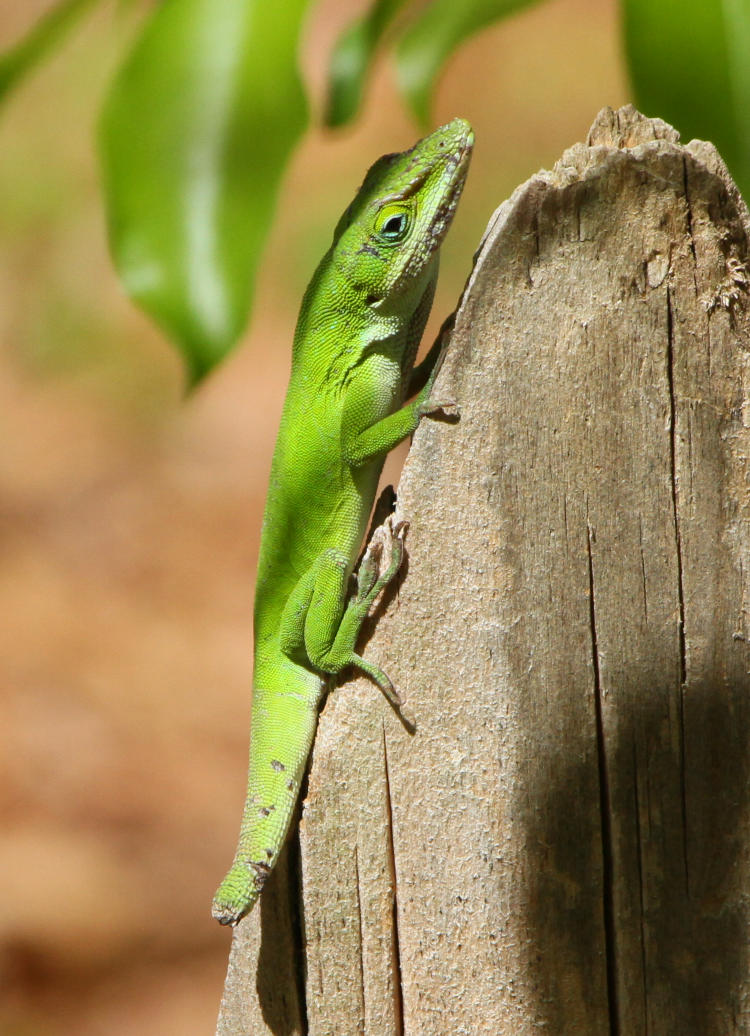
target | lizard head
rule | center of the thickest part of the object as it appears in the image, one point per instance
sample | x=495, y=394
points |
x=387, y=238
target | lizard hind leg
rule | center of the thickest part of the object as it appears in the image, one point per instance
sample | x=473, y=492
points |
x=390, y=693
x=334, y=653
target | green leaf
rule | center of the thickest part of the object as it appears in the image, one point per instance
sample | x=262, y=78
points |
x=443, y=25
x=50, y=29
x=689, y=63
x=195, y=136
x=351, y=60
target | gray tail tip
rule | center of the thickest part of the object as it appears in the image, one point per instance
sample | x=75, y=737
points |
x=227, y=915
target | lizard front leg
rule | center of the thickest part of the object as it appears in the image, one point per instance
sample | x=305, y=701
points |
x=428, y=369
x=362, y=443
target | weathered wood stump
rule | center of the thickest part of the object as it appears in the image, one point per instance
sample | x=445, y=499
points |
x=564, y=844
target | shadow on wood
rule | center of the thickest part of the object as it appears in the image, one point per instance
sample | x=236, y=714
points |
x=675, y=925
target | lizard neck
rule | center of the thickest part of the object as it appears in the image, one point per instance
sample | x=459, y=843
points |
x=337, y=325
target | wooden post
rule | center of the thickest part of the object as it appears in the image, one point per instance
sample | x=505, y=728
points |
x=564, y=843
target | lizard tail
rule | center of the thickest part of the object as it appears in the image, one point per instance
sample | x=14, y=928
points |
x=281, y=735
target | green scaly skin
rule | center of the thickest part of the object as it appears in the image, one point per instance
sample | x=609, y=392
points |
x=357, y=336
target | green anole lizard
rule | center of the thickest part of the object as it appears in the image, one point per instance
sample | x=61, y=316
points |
x=353, y=368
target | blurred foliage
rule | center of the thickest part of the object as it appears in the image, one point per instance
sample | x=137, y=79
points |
x=20, y=59
x=206, y=109
x=191, y=170
x=430, y=40
x=351, y=60
x=689, y=63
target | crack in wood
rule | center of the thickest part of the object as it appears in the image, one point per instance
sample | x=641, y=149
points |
x=296, y=920
x=608, y=906
x=398, y=997
x=361, y=940
x=643, y=568
x=680, y=582
x=639, y=860
x=685, y=187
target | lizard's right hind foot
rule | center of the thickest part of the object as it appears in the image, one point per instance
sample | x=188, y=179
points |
x=384, y=551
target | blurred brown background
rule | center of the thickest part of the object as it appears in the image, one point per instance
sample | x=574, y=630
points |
x=129, y=516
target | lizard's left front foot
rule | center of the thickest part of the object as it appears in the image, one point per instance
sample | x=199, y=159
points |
x=436, y=408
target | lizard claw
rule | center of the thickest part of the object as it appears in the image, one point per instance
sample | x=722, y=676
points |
x=398, y=528
x=382, y=559
x=440, y=408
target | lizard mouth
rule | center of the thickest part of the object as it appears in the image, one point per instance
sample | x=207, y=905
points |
x=452, y=178
x=455, y=172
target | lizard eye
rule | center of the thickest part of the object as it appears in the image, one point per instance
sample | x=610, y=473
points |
x=393, y=224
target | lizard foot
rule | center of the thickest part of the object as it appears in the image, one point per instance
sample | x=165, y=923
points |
x=435, y=408
x=382, y=559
